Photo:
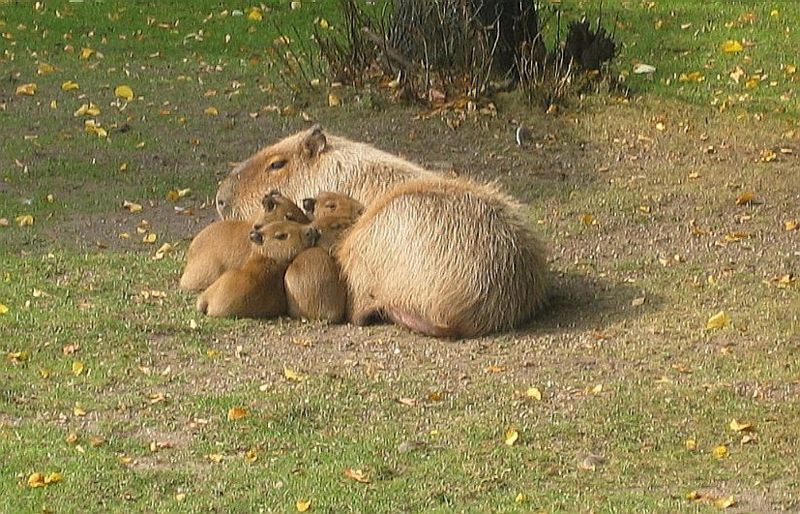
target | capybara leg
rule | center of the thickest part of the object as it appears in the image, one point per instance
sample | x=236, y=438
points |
x=202, y=304
x=365, y=317
x=419, y=324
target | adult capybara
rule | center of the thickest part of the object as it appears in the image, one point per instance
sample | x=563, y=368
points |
x=444, y=257
x=328, y=203
x=307, y=163
x=256, y=289
x=315, y=288
x=225, y=244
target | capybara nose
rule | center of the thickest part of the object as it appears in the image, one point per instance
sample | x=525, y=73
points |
x=308, y=205
x=313, y=235
x=256, y=237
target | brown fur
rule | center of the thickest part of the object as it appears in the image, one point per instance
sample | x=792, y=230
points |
x=307, y=163
x=314, y=285
x=332, y=204
x=256, y=289
x=448, y=258
x=225, y=245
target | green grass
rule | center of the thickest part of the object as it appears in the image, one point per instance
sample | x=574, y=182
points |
x=158, y=380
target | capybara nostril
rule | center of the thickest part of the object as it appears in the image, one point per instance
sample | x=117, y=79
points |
x=314, y=235
x=256, y=237
x=308, y=204
x=257, y=226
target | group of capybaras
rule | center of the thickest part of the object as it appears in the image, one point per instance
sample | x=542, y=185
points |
x=377, y=238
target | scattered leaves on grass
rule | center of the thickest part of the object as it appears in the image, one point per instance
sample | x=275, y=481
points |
x=302, y=505
x=720, y=452
x=724, y=503
x=41, y=480
x=588, y=219
x=732, y=47
x=791, y=225
x=216, y=458
x=718, y=320
x=24, y=220
x=78, y=411
x=520, y=498
x=69, y=349
x=255, y=14
x=124, y=92
x=3, y=309
x=251, y=456
x=77, y=368
x=4, y=222
x=28, y=89
x=211, y=111
x=357, y=475
x=45, y=69
x=690, y=444
x=150, y=238
x=237, y=413
x=511, y=437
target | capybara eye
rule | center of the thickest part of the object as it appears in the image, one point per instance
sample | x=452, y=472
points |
x=276, y=165
x=281, y=236
x=330, y=205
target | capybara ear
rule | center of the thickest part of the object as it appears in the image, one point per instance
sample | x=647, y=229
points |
x=308, y=205
x=314, y=142
x=268, y=201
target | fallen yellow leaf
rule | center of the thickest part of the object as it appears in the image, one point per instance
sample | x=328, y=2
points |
x=162, y=251
x=255, y=15
x=69, y=85
x=251, y=456
x=588, y=219
x=520, y=498
x=303, y=505
x=215, y=457
x=694, y=76
x=211, y=111
x=724, y=503
x=746, y=198
x=86, y=53
x=512, y=435
x=718, y=320
x=24, y=220
x=790, y=225
x=237, y=413
x=334, y=101
x=732, y=47
x=357, y=475
x=124, y=92
x=16, y=356
x=691, y=444
x=693, y=495
x=720, y=452
x=292, y=375
x=533, y=392
x=28, y=89
x=77, y=368
x=740, y=427
x=150, y=238
x=131, y=206
x=89, y=109
x=45, y=69
x=78, y=411
x=3, y=309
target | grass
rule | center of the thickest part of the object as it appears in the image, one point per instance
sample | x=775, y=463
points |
x=144, y=425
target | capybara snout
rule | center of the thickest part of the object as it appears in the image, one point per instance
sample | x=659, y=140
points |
x=256, y=237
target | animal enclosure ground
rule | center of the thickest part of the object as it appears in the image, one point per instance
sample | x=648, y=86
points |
x=661, y=210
